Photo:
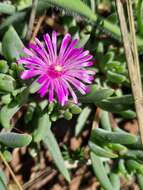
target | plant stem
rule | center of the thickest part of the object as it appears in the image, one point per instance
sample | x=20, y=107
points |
x=132, y=62
x=11, y=172
x=32, y=18
x=37, y=28
x=133, y=37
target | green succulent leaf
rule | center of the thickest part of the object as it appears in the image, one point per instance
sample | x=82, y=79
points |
x=77, y=7
x=8, y=111
x=51, y=143
x=14, y=140
x=14, y=18
x=3, y=66
x=133, y=165
x=12, y=45
x=105, y=121
x=112, y=137
x=3, y=180
x=116, y=104
x=96, y=95
x=7, y=8
x=99, y=151
x=7, y=83
x=6, y=114
x=115, y=77
x=81, y=120
x=100, y=172
x=115, y=181
x=140, y=181
x=43, y=124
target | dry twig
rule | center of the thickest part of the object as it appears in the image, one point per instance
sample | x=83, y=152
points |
x=31, y=20
x=11, y=172
x=132, y=60
x=37, y=28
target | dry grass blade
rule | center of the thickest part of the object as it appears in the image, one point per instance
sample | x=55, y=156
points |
x=39, y=177
x=133, y=37
x=132, y=62
x=37, y=28
x=11, y=172
x=32, y=18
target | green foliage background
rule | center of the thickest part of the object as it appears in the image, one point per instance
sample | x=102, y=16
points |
x=96, y=25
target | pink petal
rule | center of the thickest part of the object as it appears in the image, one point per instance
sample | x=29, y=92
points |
x=54, y=42
x=69, y=49
x=29, y=74
x=64, y=45
x=51, y=92
x=43, y=49
x=42, y=78
x=43, y=90
x=71, y=91
x=48, y=42
x=28, y=52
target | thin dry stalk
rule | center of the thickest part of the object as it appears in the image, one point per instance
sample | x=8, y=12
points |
x=132, y=62
x=32, y=19
x=37, y=28
x=11, y=172
x=133, y=37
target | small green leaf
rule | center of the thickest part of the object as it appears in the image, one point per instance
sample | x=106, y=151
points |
x=140, y=181
x=133, y=165
x=6, y=99
x=6, y=114
x=23, y=4
x=100, y=172
x=81, y=120
x=99, y=151
x=34, y=87
x=3, y=66
x=77, y=7
x=105, y=121
x=124, y=99
x=14, y=18
x=122, y=168
x=139, y=15
x=117, y=147
x=43, y=104
x=42, y=125
x=53, y=147
x=115, y=77
x=8, y=111
x=128, y=114
x=12, y=45
x=3, y=181
x=135, y=154
x=7, y=83
x=67, y=115
x=115, y=180
x=7, y=155
x=7, y=8
x=137, y=144
x=112, y=137
x=84, y=39
x=14, y=140
x=75, y=109
x=30, y=111
x=96, y=95
x=116, y=104
x=109, y=56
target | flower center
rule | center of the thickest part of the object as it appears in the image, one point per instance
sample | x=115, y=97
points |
x=55, y=71
x=58, y=68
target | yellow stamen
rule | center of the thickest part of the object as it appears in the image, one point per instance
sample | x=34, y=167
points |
x=58, y=68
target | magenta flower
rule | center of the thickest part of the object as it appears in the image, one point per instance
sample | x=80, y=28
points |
x=60, y=71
